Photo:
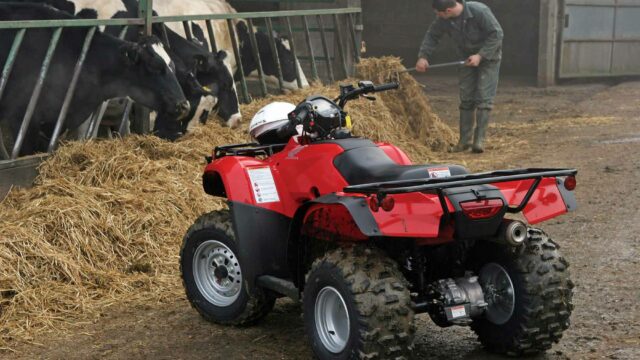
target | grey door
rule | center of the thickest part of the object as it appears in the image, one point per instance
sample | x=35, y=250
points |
x=600, y=38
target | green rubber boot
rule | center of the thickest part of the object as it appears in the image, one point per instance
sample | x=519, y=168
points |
x=466, y=128
x=482, y=122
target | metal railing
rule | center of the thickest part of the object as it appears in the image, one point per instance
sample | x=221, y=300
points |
x=348, y=17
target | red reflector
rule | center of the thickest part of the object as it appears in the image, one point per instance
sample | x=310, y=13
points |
x=373, y=204
x=388, y=203
x=570, y=183
x=481, y=209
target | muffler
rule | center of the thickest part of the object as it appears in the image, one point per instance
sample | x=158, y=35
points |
x=512, y=232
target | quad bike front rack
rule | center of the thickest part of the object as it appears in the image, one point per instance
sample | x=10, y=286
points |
x=248, y=149
x=438, y=185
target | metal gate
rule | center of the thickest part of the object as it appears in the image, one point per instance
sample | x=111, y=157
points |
x=600, y=38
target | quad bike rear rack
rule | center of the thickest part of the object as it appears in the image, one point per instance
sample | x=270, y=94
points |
x=438, y=185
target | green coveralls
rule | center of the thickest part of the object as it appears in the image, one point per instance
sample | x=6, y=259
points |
x=477, y=32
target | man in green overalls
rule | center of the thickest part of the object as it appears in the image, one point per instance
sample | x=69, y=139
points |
x=478, y=37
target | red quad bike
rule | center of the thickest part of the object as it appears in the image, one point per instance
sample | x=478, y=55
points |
x=366, y=240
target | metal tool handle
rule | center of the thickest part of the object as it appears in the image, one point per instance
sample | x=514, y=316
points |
x=454, y=63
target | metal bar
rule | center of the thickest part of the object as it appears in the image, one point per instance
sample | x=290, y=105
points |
x=338, y=35
x=187, y=30
x=96, y=120
x=314, y=67
x=405, y=186
x=354, y=38
x=325, y=47
x=293, y=50
x=236, y=52
x=11, y=58
x=212, y=38
x=165, y=37
x=72, y=88
x=29, y=24
x=602, y=40
x=36, y=93
x=611, y=52
x=254, y=15
x=123, y=129
x=145, y=11
x=274, y=52
x=256, y=56
x=123, y=32
x=527, y=196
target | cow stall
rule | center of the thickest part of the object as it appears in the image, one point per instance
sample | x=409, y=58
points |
x=326, y=42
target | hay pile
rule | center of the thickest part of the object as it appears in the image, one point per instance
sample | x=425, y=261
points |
x=105, y=220
x=408, y=105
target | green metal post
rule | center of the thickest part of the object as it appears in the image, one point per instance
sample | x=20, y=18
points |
x=187, y=30
x=212, y=38
x=293, y=50
x=145, y=11
x=354, y=38
x=274, y=51
x=72, y=87
x=314, y=67
x=338, y=34
x=11, y=58
x=36, y=93
x=256, y=56
x=325, y=47
x=236, y=52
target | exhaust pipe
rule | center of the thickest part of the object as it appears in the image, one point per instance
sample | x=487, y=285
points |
x=512, y=232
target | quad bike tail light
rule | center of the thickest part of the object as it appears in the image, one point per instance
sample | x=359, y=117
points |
x=481, y=209
x=570, y=183
x=373, y=204
x=387, y=203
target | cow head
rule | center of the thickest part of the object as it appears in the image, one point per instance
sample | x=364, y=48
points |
x=150, y=70
x=211, y=69
x=288, y=61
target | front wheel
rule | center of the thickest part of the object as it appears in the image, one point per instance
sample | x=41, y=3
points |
x=213, y=274
x=529, y=295
x=356, y=305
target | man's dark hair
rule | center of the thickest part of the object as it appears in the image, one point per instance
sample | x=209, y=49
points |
x=442, y=5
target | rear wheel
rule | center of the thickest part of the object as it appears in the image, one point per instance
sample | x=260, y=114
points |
x=213, y=276
x=529, y=295
x=356, y=305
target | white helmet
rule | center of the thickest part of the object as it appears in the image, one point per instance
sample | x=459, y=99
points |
x=268, y=120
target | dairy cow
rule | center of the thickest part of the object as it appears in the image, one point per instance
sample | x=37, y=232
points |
x=113, y=68
x=289, y=63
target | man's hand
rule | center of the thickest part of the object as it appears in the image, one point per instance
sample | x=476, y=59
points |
x=422, y=65
x=473, y=60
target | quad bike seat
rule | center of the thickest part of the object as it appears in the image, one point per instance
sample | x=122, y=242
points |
x=362, y=162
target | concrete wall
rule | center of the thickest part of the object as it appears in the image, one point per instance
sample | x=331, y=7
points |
x=397, y=28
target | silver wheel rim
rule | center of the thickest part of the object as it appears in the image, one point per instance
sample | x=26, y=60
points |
x=217, y=273
x=332, y=320
x=498, y=293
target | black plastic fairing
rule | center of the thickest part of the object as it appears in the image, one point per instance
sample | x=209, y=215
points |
x=262, y=237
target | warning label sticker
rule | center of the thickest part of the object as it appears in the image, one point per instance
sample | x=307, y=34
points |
x=264, y=188
x=439, y=172
x=458, y=311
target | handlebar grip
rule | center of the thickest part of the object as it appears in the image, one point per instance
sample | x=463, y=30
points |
x=385, y=87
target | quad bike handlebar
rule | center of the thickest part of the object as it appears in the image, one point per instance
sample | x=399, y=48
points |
x=306, y=114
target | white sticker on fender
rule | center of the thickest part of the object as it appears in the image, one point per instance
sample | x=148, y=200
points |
x=264, y=188
x=439, y=172
x=458, y=311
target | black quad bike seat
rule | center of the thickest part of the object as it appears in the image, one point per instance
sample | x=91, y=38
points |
x=362, y=162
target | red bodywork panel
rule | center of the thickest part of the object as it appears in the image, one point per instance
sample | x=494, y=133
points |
x=304, y=172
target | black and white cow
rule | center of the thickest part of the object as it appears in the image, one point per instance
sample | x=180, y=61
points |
x=288, y=60
x=113, y=68
x=189, y=57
